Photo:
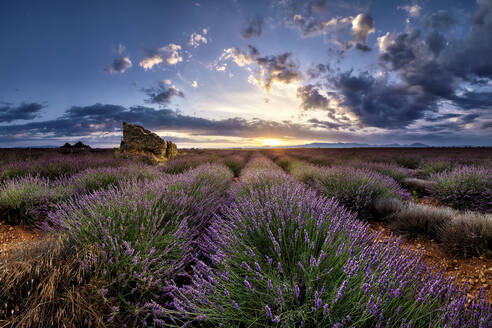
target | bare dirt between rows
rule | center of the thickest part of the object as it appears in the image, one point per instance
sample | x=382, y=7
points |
x=12, y=237
x=475, y=272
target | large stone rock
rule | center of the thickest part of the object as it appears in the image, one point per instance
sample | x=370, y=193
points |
x=139, y=141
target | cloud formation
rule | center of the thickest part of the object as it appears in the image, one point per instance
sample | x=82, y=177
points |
x=421, y=70
x=119, y=65
x=170, y=53
x=252, y=28
x=100, y=120
x=162, y=94
x=440, y=20
x=362, y=26
x=107, y=118
x=196, y=38
x=412, y=10
x=149, y=62
x=25, y=111
x=268, y=70
x=312, y=26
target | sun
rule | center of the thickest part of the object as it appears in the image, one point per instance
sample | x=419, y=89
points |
x=271, y=142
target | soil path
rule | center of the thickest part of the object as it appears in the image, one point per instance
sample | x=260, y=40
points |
x=12, y=237
x=475, y=272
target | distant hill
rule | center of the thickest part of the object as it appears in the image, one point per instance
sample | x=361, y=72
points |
x=356, y=145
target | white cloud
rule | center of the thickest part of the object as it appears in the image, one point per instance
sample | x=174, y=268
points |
x=221, y=68
x=171, y=53
x=196, y=39
x=149, y=62
x=413, y=11
x=385, y=41
x=194, y=84
x=362, y=26
x=236, y=56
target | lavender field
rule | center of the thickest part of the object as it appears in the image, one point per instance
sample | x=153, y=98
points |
x=246, y=238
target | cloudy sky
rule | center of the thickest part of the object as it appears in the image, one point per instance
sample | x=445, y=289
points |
x=246, y=73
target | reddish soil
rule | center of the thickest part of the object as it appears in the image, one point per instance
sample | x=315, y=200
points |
x=476, y=272
x=12, y=237
x=426, y=200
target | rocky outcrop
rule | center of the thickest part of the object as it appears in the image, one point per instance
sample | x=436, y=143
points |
x=139, y=141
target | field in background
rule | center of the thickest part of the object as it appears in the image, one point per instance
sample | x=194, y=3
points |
x=247, y=238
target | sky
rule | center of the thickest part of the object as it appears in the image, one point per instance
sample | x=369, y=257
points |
x=235, y=73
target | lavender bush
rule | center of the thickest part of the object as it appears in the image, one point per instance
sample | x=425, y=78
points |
x=57, y=165
x=396, y=172
x=281, y=256
x=100, y=178
x=435, y=166
x=27, y=198
x=465, y=188
x=142, y=233
x=356, y=189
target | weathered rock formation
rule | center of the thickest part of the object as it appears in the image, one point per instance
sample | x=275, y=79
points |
x=140, y=141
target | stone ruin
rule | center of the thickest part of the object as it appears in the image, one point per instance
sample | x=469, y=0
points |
x=139, y=141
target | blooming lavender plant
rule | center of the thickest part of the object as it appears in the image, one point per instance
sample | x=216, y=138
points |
x=94, y=179
x=356, y=189
x=27, y=198
x=142, y=232
x=396, y=172
x=465, y=188
x=283, y=256
x=54, y=165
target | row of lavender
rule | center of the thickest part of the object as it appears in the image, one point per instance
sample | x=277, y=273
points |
x=29, y=187
x=372, y=191
x=424, y=161
x=280, y=255
x=273, y=253
x=447, y=179
x=29, y=198
x=128, y=241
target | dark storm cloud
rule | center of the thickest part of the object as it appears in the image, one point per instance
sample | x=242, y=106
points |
x=381, y=104
x=440, y=20
x=362, y=47
x=25, y=111
x=429, y=69
x=99, y=122
x=107, y=118
x=253, y=27
x=474, y=100
x=324, y=124
x=270, y=69
x=119, y=65
x=486, y=125
x=441, y=117
x=483, y=14
x=279, y=68
x=311, y=98
x=162, y=94
x=402, y=51
x=435, y=42
x=318, y=70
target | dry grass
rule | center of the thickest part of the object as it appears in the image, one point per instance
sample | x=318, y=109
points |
x=469, y=234
x=45, y=285
x=423, y=187
x=417, y=220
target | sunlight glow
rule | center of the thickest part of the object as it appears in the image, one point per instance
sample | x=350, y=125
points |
x=272, y=142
